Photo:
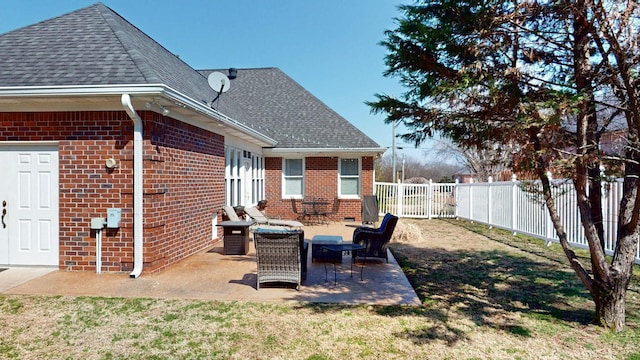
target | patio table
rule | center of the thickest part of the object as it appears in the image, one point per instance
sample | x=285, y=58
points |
x=340, y=248
x=318, y=210
x=236, y=237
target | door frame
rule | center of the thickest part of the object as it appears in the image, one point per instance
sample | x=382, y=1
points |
x=53, y=257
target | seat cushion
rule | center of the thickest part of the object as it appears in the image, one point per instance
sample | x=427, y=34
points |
x=316, y=247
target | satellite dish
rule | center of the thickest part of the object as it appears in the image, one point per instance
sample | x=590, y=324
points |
x=219, y=82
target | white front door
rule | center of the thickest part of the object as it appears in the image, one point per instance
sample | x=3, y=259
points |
x=29, y=200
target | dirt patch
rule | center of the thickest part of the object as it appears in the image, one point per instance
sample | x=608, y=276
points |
x=421, y=234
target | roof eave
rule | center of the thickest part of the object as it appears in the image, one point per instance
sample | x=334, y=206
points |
x=135, y=90
x=280, y=152
x=185, y=101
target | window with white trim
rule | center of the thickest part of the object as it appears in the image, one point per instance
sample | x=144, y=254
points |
x=292, y=178
x=257, y=188
x=244, y=177
x=349, y=178
x=232, y=176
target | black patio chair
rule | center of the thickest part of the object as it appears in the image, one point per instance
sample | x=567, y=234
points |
x=376, y=240
x=301, y=214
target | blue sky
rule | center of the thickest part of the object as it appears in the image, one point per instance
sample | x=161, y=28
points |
x=330, y=47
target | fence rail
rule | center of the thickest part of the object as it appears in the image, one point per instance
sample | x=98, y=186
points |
x=424, y=201
x=506, y=205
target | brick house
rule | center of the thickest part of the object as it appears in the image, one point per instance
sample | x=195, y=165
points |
x=95, y=116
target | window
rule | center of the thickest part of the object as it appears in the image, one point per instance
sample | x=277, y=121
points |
x=244, y=177
x=349, y=182
x=257, y=177
x=292, y=178
x=232, y=176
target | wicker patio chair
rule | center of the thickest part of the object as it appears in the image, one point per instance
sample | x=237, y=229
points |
x=281, y=256
x=376, y=239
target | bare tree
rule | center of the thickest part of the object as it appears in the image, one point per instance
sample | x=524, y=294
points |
x=437, y=171
x=483, y=162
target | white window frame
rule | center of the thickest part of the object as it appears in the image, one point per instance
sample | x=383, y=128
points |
x=284, y=179
x=233, y=158
x=358, y=176
x=244, y=172
x=257, y=187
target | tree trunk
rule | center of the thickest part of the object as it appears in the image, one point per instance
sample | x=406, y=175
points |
x=610, y=298
x=608, y=285
x=610, y=307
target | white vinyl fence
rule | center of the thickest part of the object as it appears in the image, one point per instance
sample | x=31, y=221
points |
x=506, y=205
x=424, y=201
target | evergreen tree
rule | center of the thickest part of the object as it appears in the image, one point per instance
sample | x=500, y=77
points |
x=543, y=80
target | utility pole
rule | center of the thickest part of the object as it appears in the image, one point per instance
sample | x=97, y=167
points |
x=403, y=167
x=393, y=152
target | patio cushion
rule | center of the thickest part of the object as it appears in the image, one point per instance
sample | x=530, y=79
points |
x=316, y=247
x=260, y=218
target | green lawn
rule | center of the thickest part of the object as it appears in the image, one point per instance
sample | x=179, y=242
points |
x=486, y=295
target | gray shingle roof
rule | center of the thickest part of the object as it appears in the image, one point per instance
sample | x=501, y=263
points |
x=282, y=109
x=78, y=48
x=96, y=46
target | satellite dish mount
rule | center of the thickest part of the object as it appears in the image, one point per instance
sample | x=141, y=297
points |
x=220, y=83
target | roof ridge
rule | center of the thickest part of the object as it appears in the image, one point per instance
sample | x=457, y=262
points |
x=241, y=68
x=156, y=63
x=105, y=12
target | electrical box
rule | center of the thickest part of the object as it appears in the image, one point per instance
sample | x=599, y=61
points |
x=113, y=217
x=97, y=223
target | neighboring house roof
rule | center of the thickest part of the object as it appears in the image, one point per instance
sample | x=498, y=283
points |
x=288, y=113
x=95, y=46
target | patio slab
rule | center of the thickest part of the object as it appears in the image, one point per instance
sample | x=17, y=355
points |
x=211, y=275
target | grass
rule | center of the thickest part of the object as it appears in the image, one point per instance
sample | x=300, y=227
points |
x=486, y=295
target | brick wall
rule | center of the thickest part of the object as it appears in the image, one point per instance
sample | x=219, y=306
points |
x=320, y=180
x=183, y=189
x=183, y=184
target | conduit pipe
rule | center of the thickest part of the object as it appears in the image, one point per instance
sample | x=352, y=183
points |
x=137, y=186
x=99, y=251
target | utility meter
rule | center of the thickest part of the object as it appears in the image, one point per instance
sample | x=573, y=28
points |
x=113, y=217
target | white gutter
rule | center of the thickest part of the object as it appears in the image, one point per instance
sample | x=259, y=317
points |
x=185, y=101
x=133, y=89
x=323, y=151
x=137, y=186
x=78, y=90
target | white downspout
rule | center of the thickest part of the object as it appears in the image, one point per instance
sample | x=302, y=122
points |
x=137, y=185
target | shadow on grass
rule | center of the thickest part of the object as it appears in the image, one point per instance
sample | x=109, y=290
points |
x=488, y=288
x=512, y=285
x=491, y=288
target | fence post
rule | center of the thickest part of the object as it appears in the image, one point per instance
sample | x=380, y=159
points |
x=489, y=207
x=514, y=204
x=455, y=199
x=400, y=198
x=430, y=199
x=471, y=200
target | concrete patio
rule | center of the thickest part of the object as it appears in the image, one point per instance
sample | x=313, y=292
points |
x=210, y=275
